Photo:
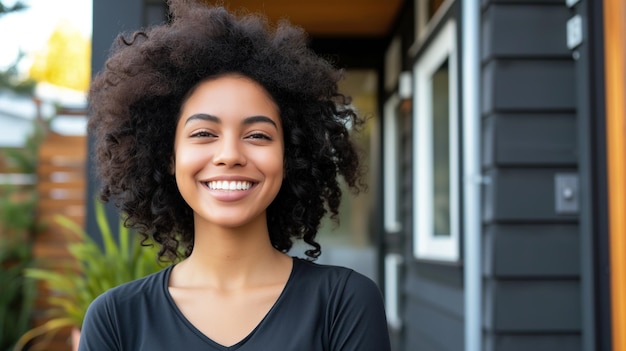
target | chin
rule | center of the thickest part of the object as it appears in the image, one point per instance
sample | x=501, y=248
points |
x=233, y=220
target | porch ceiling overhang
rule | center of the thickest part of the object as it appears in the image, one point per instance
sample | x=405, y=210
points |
x=327, y=18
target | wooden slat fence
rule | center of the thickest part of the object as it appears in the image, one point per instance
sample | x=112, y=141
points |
x=61, y=188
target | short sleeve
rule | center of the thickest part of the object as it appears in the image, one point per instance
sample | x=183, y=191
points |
x=359, y=322
x=98, y=330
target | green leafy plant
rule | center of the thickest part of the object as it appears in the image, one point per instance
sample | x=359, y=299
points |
x=18, y=227
x=12, y=80
x=95, y=270
x=16, y=293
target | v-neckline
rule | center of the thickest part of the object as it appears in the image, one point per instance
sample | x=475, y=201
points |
x=205, y=337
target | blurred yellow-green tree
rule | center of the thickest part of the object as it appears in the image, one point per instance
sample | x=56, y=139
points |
x=66, y=59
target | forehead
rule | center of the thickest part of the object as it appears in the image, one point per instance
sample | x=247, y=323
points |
x=229, y=92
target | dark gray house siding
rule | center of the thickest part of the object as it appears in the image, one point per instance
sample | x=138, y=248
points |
x=531, y=272
x=531, y=253
x=434, y=307
x=431, y=293
x=593, y=167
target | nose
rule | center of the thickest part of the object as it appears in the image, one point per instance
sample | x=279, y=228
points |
x=229, y=152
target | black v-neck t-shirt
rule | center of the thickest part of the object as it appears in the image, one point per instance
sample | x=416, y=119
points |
x=322, y=307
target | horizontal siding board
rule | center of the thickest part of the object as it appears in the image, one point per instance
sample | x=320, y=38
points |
x=433, y=310
x=441, y=331
x=542, y=251
x=531, y=254
x=441, y=295
x=415, y=340
x=525, y=31
x=529, y=140
x=488, y=141
x=528, y=85
x=523, y=195
x=527, y=306
x=558, y=342
x=451, y=275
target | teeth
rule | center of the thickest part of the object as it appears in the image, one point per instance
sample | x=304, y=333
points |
x=226, y=185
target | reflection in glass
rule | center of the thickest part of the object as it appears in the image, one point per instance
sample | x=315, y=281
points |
x=441, y=151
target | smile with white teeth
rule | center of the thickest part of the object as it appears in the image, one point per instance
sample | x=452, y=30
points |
x=225, y=185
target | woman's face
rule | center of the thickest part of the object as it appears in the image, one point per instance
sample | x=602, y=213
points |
x=228, y=151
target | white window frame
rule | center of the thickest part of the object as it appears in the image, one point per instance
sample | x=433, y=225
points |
x=424, y=27
x=426, y=245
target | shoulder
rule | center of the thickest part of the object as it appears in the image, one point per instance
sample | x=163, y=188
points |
x=129, y=296
x=331, y=272
x=353, y=306
x=119, y=311
x=340, y=281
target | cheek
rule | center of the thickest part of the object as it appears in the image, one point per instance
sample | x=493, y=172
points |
x=188, y=160
x=276, y=162
x=280, y=172
x=185, y=167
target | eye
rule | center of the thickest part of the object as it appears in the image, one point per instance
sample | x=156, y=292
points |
x=202, y=134
x=259, y=136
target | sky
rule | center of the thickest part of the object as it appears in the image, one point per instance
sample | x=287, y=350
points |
x=29, y=29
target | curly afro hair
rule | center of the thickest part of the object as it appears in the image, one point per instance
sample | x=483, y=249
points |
x=136, y=100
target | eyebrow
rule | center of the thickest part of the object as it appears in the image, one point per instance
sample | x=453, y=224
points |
x=246, y=121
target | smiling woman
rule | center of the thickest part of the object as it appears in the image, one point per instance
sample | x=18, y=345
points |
x=233, y=135
x=222, y=140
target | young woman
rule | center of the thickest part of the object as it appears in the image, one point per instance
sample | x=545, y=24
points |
x=221, y=140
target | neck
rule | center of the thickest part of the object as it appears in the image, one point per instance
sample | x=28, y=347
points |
x=229, y=258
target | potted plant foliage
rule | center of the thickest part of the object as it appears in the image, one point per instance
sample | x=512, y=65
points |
x=18, y=227
x=96, y=269
x=16, y=293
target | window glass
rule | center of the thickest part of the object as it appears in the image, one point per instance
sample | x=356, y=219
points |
x=441, y=150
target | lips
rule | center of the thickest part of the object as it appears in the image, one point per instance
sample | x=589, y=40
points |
x=229, y=185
